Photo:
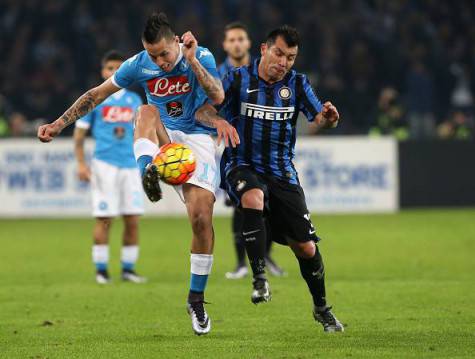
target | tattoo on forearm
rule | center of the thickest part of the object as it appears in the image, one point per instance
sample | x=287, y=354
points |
x=81, y=107
x=211, y=85
x=207, y=117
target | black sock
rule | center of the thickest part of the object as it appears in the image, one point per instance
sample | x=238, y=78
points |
x=313, y=272
x=194, y=297
x=238, y=242
x=254, y=237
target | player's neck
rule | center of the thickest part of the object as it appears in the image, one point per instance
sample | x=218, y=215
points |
x=245, y=60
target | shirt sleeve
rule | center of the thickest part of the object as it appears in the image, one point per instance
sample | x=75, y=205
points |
x=310, y=105
x=126, y=75
x=228, y=87
x=85, y=122
x=206, y=58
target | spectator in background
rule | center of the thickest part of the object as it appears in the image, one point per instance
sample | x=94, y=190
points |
x=18, y=125
x=460, y=126
x=389, y=118
x=419, y=95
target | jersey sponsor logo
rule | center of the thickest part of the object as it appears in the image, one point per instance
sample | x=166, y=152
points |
x=119, y=132
x=267, y=112
x=117, y=114
x=174, y=109
x=151, y=72
x=249, y=91
x=168, y=86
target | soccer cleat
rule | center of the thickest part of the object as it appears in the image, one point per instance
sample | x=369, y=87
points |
x=200, y=322
x=326, y=318
x=131, y=276
x=239, y=273
x=274, y=269
x=261, y=291
x=102, y=277
x=150, y=183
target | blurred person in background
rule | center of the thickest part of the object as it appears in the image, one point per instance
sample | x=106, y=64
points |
x=459, y=126
x=18, y=125
x=237, y=45
x=115, y=180
x=389, y=118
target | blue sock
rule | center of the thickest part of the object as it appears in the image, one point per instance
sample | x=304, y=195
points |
x=101, y=266
x=127, y=266
x=198, y=282
x=142, y=162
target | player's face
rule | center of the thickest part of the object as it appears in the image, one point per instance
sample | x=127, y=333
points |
x=164, y=53
x=236, y=43
x=278, y=59
x=109, y=68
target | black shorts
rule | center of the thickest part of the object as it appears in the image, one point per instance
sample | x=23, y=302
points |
x=285, y=206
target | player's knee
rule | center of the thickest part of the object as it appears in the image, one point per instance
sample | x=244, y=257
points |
x=254, y=198
x=200, y=222
x=304, y=250
x=103, y=224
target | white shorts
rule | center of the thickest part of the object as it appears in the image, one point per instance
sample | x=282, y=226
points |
x=115, y=191
x=207, y=155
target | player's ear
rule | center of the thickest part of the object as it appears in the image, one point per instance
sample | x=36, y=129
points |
x=263, y=49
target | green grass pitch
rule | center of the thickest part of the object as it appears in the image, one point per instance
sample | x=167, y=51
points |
x=403, y=284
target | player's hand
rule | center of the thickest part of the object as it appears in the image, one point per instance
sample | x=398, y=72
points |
x=189, y=46
x=47, y=132
x=84, y=173
x=330, y=114
x=227, y=133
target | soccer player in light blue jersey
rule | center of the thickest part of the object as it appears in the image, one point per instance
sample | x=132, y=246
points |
x=177, y=78
x=115, y=180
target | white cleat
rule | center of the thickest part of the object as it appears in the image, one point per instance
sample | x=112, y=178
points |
x=102, y=277
x=131, y=276
x=200, y=322
x=261, y=291
x=239, y=273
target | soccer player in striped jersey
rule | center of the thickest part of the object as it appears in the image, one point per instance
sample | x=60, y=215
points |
x=262, y=101
x=236, y=45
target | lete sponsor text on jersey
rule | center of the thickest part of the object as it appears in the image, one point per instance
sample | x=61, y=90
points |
x=117, y=114
x=168, y=86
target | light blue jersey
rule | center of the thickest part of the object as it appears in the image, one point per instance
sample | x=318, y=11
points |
x=112, y=127
x=177, y=94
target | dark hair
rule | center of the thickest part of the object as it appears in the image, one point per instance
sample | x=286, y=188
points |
x=156, y=28
x=112, y=55
x=288, y=33
x=235, y=25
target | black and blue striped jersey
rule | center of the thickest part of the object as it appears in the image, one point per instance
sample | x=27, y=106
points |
x=265, y=117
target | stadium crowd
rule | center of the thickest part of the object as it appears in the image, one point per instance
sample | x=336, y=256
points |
x=401, y=67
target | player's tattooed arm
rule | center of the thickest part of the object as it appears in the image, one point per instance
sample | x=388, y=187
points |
x=81, y=107
x=208, y=116
x=212, y=85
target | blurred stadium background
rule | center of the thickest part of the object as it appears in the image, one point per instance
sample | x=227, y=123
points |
x=402, y=74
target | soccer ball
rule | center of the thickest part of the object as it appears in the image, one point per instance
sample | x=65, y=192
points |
x=175, y=163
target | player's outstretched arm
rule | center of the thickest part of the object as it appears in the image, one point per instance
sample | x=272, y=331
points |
x=209, y=83
x=81, y=107
x=208, y=116
x=327, y=118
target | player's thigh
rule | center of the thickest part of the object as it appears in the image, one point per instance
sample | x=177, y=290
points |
x=241, y=180
x=131, y=193
x=289, y=217
x=204, y=149
x=104, y=189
